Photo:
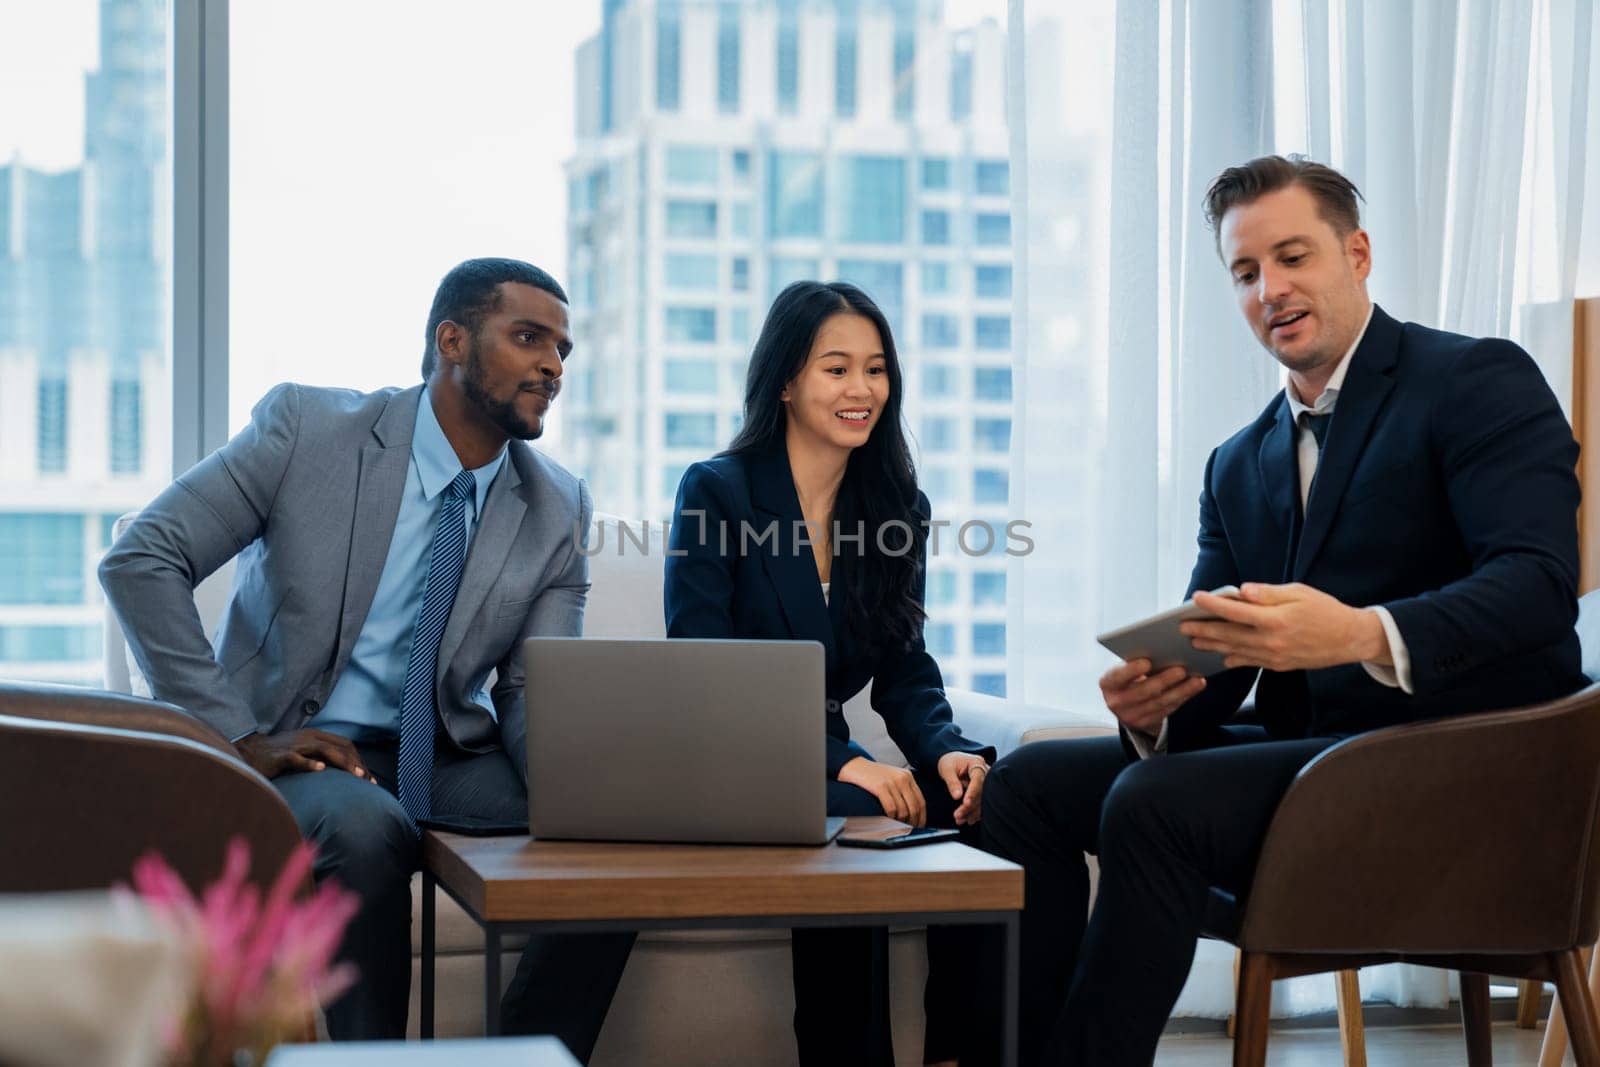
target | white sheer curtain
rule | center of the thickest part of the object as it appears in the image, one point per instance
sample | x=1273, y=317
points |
x=1468, y=127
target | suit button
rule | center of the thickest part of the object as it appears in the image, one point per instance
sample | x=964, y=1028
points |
x=835, y=708
x=310, y=708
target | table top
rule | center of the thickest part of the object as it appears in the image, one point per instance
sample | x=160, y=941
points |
x=517, y=879
x=480, y=1052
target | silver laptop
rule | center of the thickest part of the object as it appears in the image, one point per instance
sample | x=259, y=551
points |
x=677, y=740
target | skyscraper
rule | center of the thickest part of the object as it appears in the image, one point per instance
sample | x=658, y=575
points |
x=84, y=396
x=725, y=149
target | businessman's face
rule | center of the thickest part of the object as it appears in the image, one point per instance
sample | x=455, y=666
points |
x=1302, y=287
x=839, y=395
x=512, y=370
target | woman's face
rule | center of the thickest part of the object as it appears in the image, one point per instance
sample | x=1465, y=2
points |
x=841, y=391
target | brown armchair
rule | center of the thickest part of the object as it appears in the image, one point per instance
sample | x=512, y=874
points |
x=90, y=781
x=1465, y=843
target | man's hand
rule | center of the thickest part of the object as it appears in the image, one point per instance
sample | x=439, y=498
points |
x=964, y=774
x=1141, y=700
x=1288, y=628
x=895, y=788
x=302, y=750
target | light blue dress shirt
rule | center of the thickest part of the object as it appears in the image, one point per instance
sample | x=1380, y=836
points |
x=365, y=702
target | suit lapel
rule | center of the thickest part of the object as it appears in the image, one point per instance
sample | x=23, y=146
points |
x=793, y=570
x=1367, y=384
x=379, y=488
x=1280, y=473
x=503, y=510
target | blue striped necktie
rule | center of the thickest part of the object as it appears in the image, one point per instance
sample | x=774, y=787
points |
x=417, y=711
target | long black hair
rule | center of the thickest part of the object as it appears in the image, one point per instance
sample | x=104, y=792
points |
x=880, y=483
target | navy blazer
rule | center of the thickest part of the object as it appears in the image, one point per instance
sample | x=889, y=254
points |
x=771, y=591
x=1445, y=492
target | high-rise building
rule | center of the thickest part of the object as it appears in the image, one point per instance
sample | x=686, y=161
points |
x=84, y=395
x=725, y=149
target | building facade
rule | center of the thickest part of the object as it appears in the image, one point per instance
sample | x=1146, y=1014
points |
x=84, y=387
x=725, y=149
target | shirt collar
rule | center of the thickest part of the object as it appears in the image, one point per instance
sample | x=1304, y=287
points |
x=1330, y=392
x=437, y=462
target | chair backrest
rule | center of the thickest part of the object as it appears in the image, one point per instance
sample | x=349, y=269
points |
x=1468, y=834
x=83, y=799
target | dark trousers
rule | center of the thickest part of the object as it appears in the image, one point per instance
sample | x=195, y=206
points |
x=564, y=982
x=1165, y=829
x=365, y=841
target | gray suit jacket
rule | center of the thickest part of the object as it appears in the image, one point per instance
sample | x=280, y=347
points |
x=306, y=496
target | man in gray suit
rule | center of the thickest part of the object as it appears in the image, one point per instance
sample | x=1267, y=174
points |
x=394, y=550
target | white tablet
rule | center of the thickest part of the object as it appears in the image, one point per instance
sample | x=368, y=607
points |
x=1157, y=639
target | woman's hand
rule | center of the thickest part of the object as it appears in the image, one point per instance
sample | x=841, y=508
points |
x=894, y=787
x=964, y=773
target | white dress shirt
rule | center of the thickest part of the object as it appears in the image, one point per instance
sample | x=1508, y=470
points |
x=1397, y=676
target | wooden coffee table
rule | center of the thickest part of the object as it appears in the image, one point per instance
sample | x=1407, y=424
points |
x=511, y=884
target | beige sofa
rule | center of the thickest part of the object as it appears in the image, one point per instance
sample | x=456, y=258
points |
x=690, y=998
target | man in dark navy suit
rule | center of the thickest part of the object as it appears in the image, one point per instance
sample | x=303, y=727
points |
x=1402, y=522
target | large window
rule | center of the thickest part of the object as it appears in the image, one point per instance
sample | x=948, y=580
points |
x=872, y=199
x=794, y=194
x=85, y=209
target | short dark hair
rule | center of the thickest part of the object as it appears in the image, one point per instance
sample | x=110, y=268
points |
x=1337, y=196
x=471, y=291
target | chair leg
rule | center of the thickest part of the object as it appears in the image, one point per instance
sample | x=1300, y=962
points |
x=1252, y=1007
x=1475, y=1019
x=1582, y=1025
x=1233, y=1018
x=1529, y=993
x=1553, y=1050
x=1352, y=1034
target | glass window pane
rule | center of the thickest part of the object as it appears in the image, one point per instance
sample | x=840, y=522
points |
x=694, y=325
x=691, y=430
x=941, y=588
x=936, y=174
x=691, y=376
x=795, y=194
x=741, y=219
x=669, y=47
x=883, y=280
x=689, y=271
x=940, y=330
x=989, y=587
x=989, y=639
x=961, y=82
x=844, y=67
x=788, y=57
x=691, y=218
x=990, y=683
x=728, y=58
x=691, y=165
x=993, y=228
x=992, y=177
x=905, y=63
x=782, y=270
x=992, y=383
x=992, y=435
x=85, y=293
x=992, y=331
x=939, y=434
x=939, y=638
x=872, y=197
x=938, y=380
x=990, y=486
x=935, y=279
x=991, y=281
x=936, y=227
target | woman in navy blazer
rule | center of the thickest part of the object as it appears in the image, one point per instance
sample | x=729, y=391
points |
x=811, y=527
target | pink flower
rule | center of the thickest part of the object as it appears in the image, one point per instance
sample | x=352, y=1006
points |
x=262, y=967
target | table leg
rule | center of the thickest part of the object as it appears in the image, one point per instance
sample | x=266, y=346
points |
x=1011, y=963
x=491, y=980
x=428, y=931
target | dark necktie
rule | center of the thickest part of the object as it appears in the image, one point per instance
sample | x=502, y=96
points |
x=418, y=711
x=1318, y=425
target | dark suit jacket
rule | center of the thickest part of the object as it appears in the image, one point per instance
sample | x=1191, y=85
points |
x=771, y=591
x=1446, y=493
